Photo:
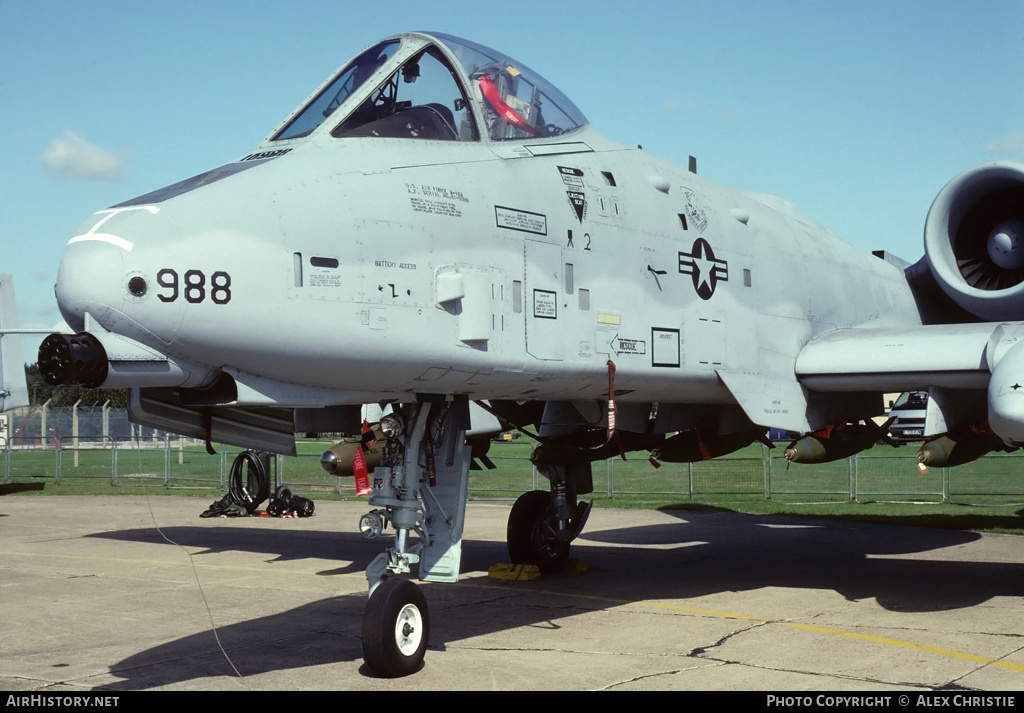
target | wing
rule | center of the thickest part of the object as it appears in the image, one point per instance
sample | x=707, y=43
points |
x=958, y=364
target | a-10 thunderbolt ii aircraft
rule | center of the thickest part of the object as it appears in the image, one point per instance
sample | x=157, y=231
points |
x=437, y=226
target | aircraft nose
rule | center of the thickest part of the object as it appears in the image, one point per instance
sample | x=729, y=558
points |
x=95, y=270
x=87, y=281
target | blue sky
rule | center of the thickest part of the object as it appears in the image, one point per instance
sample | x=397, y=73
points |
x=857, y=112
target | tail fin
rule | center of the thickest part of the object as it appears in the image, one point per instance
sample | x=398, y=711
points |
x=13, y=387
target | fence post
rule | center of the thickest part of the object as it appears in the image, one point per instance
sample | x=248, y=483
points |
x=167, y=458
x=610, y=486
x=689, y=480
x=945, y=486
x=852, y=461
x=113, y=461
x=42, y=430
x=59, y=464
x=766, y=467
x=7, y=461
x=74, y=429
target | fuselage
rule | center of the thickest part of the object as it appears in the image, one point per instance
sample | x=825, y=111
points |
x=363, y=268
x=387, y=267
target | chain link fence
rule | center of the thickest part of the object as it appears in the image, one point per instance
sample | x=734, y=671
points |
x=103, y=445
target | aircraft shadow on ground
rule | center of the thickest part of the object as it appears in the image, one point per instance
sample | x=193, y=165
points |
x=278, y=545
x=726, y=552
x=700, y=555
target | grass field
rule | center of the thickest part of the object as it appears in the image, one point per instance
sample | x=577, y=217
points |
x=882, y=484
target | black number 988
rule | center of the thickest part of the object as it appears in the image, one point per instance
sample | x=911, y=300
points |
x=194, y=287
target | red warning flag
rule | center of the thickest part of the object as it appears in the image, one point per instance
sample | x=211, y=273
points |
x=362, y=475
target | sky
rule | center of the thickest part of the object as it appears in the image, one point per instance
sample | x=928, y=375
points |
x=856, y=112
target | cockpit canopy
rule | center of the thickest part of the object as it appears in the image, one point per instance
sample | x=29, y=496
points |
x=435, y=86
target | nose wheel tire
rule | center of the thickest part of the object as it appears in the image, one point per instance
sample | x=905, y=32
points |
x=530, y=538
x=396, y=627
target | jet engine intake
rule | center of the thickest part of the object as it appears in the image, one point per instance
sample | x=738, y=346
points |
x=974, y=240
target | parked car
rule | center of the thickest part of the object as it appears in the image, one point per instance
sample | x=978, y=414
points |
x=909, y=411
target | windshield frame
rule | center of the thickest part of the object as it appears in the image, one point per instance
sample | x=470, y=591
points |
x=392, y=112
x=354, y=99
x=410, y=45
x=492, y=110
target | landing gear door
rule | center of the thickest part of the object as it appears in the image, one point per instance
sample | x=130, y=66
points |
x=544, y=319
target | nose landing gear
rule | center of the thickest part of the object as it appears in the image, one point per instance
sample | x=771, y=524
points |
x=420, y=487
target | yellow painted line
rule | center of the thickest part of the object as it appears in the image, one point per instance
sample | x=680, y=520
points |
x=808, y=627
x=907, y=645
x=709, y=612
x=890, y=642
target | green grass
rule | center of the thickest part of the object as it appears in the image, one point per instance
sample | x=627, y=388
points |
x=986, y=495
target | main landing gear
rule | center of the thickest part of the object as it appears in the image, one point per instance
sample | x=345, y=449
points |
x=542, y=525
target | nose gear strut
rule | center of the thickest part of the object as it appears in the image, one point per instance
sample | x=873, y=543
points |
x=421, y=488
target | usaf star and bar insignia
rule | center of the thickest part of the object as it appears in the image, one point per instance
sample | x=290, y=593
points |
x=705, y=269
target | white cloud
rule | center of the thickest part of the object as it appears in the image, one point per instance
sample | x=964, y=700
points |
x=71, y=156
x=1012, y=143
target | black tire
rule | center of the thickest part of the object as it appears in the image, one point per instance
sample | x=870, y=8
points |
x=248, y=484
x=529, y=540
x=396, y=628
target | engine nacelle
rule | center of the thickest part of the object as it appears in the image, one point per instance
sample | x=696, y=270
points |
x=974, y=240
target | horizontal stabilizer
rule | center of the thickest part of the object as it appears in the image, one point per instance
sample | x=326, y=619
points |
x=13, y=386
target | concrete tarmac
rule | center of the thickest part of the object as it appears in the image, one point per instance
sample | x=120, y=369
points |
x=127, y=593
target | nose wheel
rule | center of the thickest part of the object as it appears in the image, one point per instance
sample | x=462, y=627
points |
x=396, y=627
